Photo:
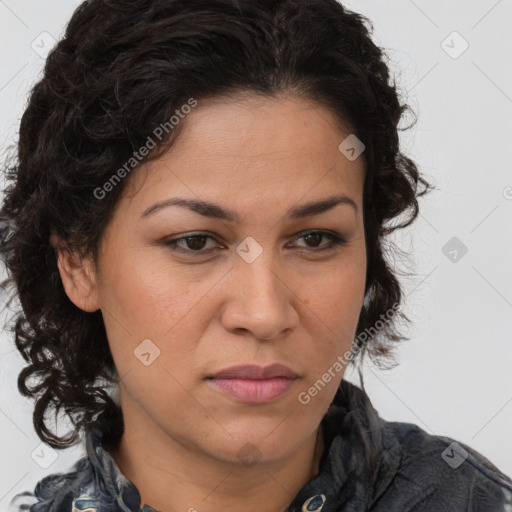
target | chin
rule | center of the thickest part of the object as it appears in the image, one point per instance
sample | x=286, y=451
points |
x=249, y=450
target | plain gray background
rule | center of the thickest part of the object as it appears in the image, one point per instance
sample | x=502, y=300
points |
x=454, y=376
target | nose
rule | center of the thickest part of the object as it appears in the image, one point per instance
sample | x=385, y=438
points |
x=261, y=298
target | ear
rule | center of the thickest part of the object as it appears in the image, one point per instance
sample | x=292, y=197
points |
x=78, y=276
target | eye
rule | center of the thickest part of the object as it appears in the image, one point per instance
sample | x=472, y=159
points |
x=315, y=237
x=194, y=244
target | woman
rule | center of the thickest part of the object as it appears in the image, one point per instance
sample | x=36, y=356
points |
x=195, y=230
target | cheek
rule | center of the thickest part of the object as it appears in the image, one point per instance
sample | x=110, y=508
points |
x=333, y=300
x=330, y=313
x=142, y=302
x=146, y=296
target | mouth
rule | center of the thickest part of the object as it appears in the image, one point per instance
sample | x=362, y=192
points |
x=251, y=384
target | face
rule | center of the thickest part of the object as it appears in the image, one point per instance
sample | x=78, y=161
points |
x=186, y=294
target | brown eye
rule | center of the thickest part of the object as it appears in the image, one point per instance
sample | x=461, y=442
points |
x=195, y=243
x=314, y=238
x=190, y=244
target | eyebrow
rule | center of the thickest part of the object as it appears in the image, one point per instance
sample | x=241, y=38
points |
x=216, y=211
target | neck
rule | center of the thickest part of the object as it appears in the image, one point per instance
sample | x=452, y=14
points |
x=171, y=476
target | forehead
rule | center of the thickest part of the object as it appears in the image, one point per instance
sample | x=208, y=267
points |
x=271, y=148
x=250, y=126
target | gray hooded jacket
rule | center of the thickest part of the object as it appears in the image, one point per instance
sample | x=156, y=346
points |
x=368, y=464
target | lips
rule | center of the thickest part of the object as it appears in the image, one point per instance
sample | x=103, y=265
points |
x=251, y=384
x=255, y=372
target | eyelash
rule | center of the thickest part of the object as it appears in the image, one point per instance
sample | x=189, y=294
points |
x=336, y=241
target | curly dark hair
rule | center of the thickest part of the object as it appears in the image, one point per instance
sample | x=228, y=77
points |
x=124, y=67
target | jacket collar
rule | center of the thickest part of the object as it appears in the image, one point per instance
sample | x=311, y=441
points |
x=360, y=458
x=361, y=455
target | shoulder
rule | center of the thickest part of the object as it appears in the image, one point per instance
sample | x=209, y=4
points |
x=59, y=492
x=439, y=473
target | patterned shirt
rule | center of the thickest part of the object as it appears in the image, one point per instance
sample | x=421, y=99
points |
x=368, y=464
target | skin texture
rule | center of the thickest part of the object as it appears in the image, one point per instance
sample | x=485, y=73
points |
x=294, y=304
